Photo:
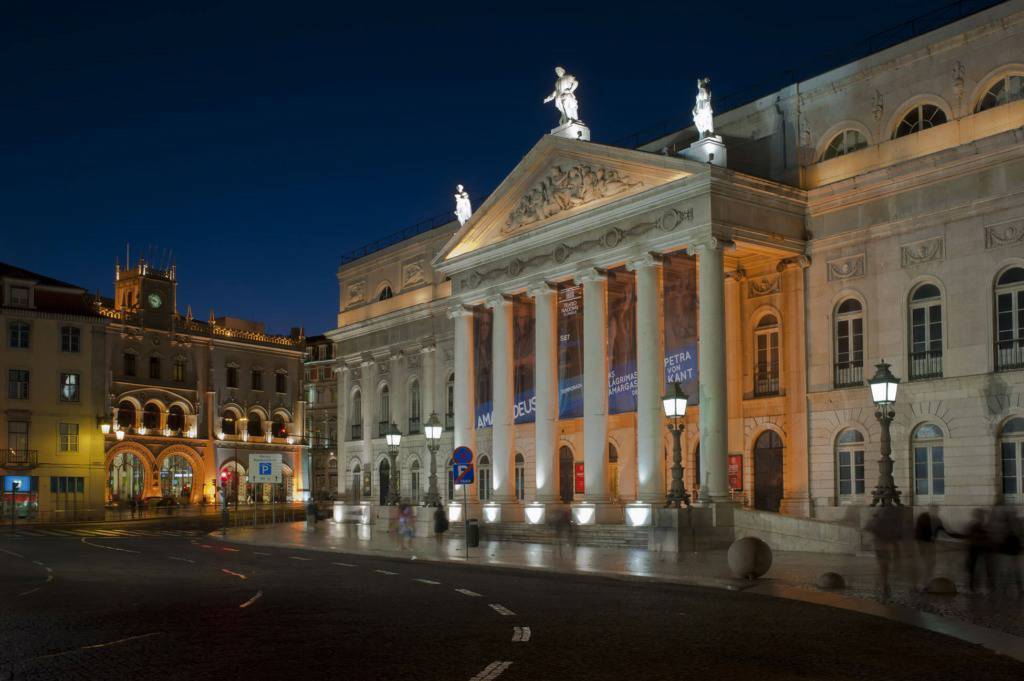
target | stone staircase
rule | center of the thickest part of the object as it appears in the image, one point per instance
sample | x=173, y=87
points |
x=613, y=536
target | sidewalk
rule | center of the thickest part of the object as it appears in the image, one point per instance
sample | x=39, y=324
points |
x=792, y=574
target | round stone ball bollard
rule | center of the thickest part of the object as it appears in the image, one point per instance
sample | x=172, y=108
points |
x=749, y=557
x=941, y=586
x=830, y=581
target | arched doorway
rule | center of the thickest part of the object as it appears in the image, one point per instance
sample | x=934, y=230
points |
x=384, y=480
x=565, y=474
x=176, y=478
x=126, y=477
x=357, y=483
x=235, y=475
x=768, y=471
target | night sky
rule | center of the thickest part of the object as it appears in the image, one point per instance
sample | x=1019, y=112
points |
x=261, y=141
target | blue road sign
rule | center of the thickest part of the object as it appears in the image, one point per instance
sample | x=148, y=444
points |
x=463, y=473
x=266, y=468
x=462, y=455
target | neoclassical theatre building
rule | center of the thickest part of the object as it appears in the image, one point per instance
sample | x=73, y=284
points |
x=766, y=259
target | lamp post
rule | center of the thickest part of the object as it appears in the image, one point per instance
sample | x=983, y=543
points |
x=433, y=430
x=394, y=439
x=883, y=394
x=674, y=403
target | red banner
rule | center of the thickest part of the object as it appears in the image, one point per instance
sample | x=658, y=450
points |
x=736, y=472
x=581, y=483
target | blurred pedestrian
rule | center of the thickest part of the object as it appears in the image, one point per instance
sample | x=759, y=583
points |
x=405, y=526
x=885, y=531
x=560, y=524
x=926, y=531
x=440, y=524
x=1008, y=547
x=979, y=550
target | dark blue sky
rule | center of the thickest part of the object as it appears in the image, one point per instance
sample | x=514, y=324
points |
x=261, y=141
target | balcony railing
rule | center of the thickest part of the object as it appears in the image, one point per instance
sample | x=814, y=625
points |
x=414, y=425
x=927, y=364
x=356, y=431
x=1010, y=354
x=766, y=380
x=382, y=428
x=849, y=374
x=19, y=459
x=449, y=421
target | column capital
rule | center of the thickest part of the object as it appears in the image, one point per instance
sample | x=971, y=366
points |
x=498, y=300
x=738, y=274
x=427, y=349
x=713, y=242
x=591, y=274
x=643, y=261
x=458, y=311
x=801, y=261
x=541, y=288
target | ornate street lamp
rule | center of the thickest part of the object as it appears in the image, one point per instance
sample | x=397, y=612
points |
x=674, y=403
x=394, y=438
x=104, y=424
x=883, y=394
x=433, y=430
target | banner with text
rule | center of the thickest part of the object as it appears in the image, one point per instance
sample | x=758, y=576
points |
x=522, y=345
x=570, y=351
x=680, y=304
x=482, y=349
x=622, y=379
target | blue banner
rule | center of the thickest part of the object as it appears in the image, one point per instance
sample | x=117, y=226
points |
x=570, y=351
x=680, y=301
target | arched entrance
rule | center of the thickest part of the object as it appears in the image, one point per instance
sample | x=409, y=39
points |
x=384, y=481
x=768, y=471
x=565, y=474
x=237, y=479
x=177, y=478
x=126, y=477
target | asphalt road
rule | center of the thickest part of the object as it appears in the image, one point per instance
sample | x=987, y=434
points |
x=191, y=607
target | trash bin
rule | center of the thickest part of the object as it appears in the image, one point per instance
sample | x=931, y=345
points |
x=473, y=533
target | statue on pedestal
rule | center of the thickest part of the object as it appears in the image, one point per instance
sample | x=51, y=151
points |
x=702, y=114
x=463, y=209
x=564, y=97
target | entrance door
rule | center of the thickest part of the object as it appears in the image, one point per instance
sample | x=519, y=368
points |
x=384, y=481
x=768, y=471
x=565, y=474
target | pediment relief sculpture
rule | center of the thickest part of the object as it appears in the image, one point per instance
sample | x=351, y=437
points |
x=412, y=274
x=356, y=293
x=563, y=190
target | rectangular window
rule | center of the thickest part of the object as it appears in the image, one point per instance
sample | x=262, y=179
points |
x=1009, y=450
x=68, y=437
x=17, y=384
x=179, y=370
x=69, y=384
x=257, y=380
x=920, y=470
x=19, y=296
x=232, y=377
x=17, y=435
x=70, y=339
x=281, y=383
x=129, y=364
x=851, y=472
x=154, y=368
x=938, y=471
x=19, y=334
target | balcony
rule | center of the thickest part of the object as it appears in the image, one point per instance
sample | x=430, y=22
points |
x=1010, y=355
x=356, y=431
x=924, y=365
x=414, y=425
x=19, y=459
x=766, y=381
x=848, y=374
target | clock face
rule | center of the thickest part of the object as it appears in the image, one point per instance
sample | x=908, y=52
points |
x=155, y=301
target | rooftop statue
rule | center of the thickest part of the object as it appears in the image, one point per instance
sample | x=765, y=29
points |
x=463, y=209
x=564, y=97
x=702, y=114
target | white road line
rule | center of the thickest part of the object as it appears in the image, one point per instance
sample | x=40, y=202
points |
x=38, y=562
x=49, y=578
x=386, y=572
x=299, y=558
x=425, y=581
x=520, y=634
x=11, y=553
x=261, y=553
x=228, y=548
x=233, y=574
x=120, y=640
x=30, y=591
x=344, y=564
x=110, y=548
x=492, y=671
x=501, y=609
x=468, y=593
x=251, y=600
x=183, y=560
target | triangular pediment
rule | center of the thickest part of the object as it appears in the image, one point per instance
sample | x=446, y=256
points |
x=561, y=178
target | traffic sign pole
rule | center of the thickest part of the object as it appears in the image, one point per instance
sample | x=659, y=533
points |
x=465, y=516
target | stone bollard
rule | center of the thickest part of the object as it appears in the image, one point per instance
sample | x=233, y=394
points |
x=830, y=581
x=941, y=586
x=749, y=558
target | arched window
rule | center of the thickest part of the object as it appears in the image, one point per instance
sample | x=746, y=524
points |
x=846, y=142
x=766, y=356
x=484, y=483
x=255, y=425
x=613, y=471
x=279, y=427
x=151, y=416
x=414, y=406
x=414, y=481
x=850, y=463
x=520, y=477
x=921, y=117
x=925, y=332
x=1011, y=446
x=154, y=367
x=1009, y=88
x=356, y=417
x=385, y=293
x=126, y=414
x=449, y=415
x=228, y=424
x=176, y=418
x=383, y=412
x=1010, y=320
x=929, y=463
x=849, y=343
x=176, y=478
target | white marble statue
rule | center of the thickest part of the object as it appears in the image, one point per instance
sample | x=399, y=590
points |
x=702, y=114
x=564, y=97
x=463, y=209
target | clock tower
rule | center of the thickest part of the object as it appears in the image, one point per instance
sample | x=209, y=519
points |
x=148, y=292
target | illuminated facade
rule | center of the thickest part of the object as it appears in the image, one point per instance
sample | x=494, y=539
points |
x=869, y=212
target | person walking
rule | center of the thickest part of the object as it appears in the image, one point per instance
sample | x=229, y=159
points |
x=885, y=530
x=926, y=531
x=979, y=550
x=440, y=524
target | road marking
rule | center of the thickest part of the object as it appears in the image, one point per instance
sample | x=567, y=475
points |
x=30, y=591
x=386, y=572
x=49, y=578
x=233, y=574
x=261, y=553
x=12, y=553
x=49, y=569
x=38, y=562
x=492, y=671
x=299, y=558
x=468, y=593
x=120, y=641
x=520, y=634
x=344, y=564
x=183, y=560
x=205, y=546
x=228, y=548
x=110, y=548
x=501, y=609
x=251, y=600
x=425, y=581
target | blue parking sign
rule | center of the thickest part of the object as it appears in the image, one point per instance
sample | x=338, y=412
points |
x=463, y=473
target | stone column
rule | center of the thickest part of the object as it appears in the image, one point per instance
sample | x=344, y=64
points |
x=713, y=391
x=341, y=407
x=797, y=497
x=650, y=355
x=595, y=383
x=464, y=434
x=546, y=388
x=502, y=429
x=428, y=389
x=368, y=395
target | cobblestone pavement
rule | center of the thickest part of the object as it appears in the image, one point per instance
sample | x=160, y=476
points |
x=173, y=607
